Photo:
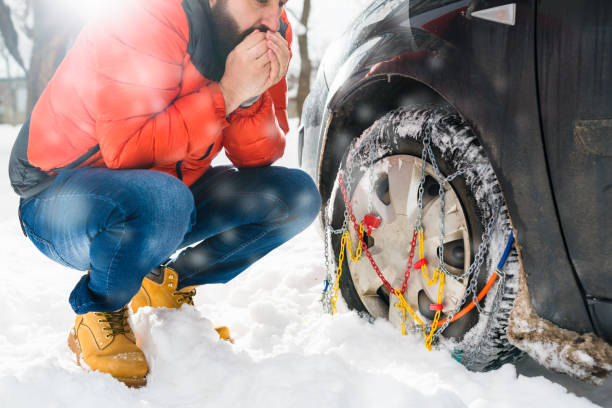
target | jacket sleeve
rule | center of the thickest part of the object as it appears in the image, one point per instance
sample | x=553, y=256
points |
x=256, y=135
x=140, y=120
x=279, y=91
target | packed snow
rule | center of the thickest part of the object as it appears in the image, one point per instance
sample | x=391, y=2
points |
x=287, y=352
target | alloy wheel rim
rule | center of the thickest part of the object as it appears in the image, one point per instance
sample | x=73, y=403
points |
x=393, y=196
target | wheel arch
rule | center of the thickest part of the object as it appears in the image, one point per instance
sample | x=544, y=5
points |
x=359, y=107
x=353, y=109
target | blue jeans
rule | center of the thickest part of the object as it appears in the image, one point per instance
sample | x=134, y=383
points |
x=120, y=224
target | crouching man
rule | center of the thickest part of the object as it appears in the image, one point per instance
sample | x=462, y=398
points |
x=113, y=165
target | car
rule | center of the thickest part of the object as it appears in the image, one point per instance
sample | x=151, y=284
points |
x=502, y=111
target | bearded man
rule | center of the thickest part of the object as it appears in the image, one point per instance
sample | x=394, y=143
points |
x=113, y=165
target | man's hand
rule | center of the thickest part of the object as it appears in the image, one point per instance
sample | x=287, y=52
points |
x=247, y=71
x=279, y=57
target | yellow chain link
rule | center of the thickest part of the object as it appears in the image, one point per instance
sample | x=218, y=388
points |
x=430, y=281
x=434, y=324
x=338, y=272
x=346, y=241
x=349, y=244
x=404, y=307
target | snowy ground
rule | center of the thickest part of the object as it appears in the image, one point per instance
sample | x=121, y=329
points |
x=287, y=352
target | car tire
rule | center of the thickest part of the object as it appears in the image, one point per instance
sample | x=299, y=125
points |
x=477, y=340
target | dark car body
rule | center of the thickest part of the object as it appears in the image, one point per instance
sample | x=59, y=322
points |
x=539, y=96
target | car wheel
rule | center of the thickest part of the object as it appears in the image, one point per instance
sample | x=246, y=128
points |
x=382, y=172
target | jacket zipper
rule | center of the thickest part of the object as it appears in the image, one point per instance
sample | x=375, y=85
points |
x=207, y=152
x=179, y=172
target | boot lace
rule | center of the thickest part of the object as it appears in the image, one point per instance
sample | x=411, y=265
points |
x=117, y=322
x=185, y=297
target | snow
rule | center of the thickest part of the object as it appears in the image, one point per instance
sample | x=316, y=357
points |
x=287, y=353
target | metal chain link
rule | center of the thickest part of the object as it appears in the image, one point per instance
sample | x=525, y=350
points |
x=326, y=295
x=496, y=306
x=474, y=270
x=371, y=172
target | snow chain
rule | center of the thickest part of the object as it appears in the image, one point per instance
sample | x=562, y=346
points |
x=345, y=243
x=431, y=331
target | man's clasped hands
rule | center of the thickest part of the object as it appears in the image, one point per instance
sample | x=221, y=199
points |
x=257, y=63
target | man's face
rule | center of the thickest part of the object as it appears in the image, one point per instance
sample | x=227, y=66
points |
x=235, y=19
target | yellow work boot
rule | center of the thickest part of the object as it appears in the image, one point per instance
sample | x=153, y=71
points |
x=105, y=342
x=159, y=290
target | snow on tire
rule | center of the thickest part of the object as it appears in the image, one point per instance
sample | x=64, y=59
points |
x=392, y=149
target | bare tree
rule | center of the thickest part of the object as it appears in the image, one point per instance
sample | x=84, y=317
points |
x=306, y=68
x=9, y=34
x=51, y=34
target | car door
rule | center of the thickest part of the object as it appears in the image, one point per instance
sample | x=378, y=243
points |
x=574, y=72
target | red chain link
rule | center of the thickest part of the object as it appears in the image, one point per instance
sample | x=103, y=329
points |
x=365, y=247
x=409, y=263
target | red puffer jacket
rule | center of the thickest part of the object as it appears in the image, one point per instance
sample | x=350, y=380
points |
x=139, y=90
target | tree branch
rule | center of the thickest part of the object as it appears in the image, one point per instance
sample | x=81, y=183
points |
x=9, y=34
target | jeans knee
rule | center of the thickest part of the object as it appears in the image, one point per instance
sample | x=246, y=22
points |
x=177, y=204
x=168, y=204
x=154, y=219
x=305, y=200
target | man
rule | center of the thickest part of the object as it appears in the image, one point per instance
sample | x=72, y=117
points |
x=113, y=166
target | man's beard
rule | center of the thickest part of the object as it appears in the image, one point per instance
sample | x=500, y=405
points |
x=226, y=32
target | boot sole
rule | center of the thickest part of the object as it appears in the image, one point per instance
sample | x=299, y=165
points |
x=132, y=382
